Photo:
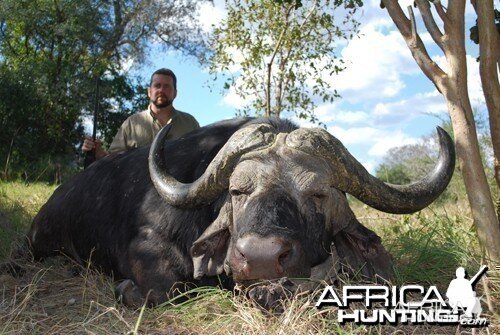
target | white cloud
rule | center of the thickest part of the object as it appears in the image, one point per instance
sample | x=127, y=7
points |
x=351, y=117
x=376, y=63
x=403, y=111
x=370, y=165
x=332, y=113
x=232, y=99
x=405, y=3
x=211, y=14
x=237, y=56
x=377, y=141
x=474, y=81
x=354, y=135
x=373, y=15
x=385, y=142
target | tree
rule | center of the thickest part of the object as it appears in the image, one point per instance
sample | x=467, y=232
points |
x=452, y=84
x=411, y=162
x=51, y=51
x=408, y=163
x=394, y=174
x=283, y=52
x=489, y=50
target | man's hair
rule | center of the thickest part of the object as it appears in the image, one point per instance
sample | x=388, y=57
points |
x=165, y=72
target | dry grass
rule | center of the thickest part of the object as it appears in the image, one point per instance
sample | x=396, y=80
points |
x=49, y=299
x=52, y=298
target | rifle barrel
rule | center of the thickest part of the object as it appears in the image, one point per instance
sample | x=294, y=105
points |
x=90, y=155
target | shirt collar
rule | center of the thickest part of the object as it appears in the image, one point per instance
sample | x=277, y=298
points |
x=155, y=120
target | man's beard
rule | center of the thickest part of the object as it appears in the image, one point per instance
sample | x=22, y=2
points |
x=164, y=104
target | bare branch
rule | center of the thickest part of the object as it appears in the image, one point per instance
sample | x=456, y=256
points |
x=398, y=17
x=489, y=51
x=442, y=14
x=430, y=23
x=414, y=35
x=6, y=168
x=407, y=28
x=301, y=27
x=273, y=56
x=280, y=39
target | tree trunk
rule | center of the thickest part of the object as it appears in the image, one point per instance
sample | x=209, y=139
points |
x=489, y=50
x=453, y=85
x=476, y=185
x=268, y=90
x=455, y=91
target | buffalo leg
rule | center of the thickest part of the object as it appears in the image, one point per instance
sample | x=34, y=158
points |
x=155, y=271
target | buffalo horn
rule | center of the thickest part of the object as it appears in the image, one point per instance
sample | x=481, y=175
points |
x=351, y=177
x=215, y=179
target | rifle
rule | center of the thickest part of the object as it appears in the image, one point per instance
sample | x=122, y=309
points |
x=90, y=155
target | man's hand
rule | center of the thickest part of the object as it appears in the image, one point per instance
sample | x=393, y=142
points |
x=89, y=144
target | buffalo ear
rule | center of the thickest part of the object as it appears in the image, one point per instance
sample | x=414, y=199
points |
x=359, y=249
x=362, y=251
x=209, y=250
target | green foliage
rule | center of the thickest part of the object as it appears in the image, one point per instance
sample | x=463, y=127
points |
x=50, y=55
x=281, y=55
x=396, y=174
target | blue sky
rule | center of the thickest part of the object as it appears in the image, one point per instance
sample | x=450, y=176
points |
x=386, y=100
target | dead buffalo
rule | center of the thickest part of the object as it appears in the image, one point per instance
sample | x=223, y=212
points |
x=243, y=199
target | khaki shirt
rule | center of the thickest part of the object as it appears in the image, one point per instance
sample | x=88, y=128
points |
x=140, y=129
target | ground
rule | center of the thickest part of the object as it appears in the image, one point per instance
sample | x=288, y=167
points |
x=61, y=297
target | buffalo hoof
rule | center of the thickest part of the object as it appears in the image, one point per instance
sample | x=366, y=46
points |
x=128, y=293
x=270, y=296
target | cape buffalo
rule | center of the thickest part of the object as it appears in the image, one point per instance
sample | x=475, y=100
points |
x=243, y=199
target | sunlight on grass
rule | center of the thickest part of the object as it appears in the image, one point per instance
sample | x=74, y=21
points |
x=19, y=203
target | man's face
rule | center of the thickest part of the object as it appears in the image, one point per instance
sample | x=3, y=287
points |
x=162, y=93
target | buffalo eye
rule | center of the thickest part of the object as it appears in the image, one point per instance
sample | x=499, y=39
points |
x=236, y=192
x=319, y=196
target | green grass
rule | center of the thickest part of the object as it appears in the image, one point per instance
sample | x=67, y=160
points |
x=19, y=204
x=438, y=244
x=426, y=247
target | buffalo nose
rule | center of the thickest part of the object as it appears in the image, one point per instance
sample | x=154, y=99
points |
x=258, y=257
